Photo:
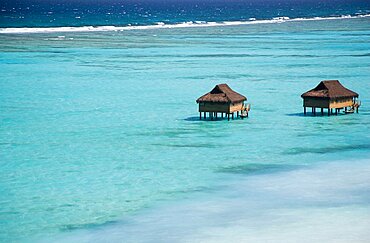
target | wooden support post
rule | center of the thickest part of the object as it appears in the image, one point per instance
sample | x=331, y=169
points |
x=314, y=111
x=328, y=112
x=211, y=115
x=322, y=111
x=228, y=116
x=304, y=110
x=200, y=115
x=205, y=115
x=216, y=115
x=247, y=113
x=357, y=109
x=232, y=115
x=345, y=108
x=336, y=111
x=222, y=115
x=237, y=114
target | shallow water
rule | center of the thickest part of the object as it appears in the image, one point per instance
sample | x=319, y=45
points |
x=96, y=127
x=321, y=203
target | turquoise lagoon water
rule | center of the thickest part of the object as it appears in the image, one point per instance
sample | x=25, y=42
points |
x=100, y=127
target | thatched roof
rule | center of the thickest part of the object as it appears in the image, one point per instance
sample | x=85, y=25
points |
x=222, y=93
x=330, y=89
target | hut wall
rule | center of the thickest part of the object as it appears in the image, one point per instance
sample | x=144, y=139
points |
x=316, y=102
x=213, y=107
x=340, y=103
x=236, y=107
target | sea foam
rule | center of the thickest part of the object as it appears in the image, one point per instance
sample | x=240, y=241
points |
x=161, y=25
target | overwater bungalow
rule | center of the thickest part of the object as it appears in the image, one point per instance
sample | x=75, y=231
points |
x=222, y=99
x=330, y=94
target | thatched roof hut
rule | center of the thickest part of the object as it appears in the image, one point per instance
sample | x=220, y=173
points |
x=222, y=93
x=221, y=99
x=330, y=89
x=329, y=94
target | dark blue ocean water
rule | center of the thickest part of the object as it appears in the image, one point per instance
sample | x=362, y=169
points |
x=122, y=13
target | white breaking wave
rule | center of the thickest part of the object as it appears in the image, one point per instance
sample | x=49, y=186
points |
x=162, y=25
